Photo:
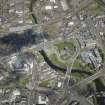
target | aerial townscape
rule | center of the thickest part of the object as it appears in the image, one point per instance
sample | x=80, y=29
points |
x=52, y=52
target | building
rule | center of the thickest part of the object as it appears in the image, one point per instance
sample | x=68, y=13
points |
x=64, y=5
x=90, y=43
x=92, y=57
x=21, y=63
x=15, y=93
x=47, y=73
x=42, y=100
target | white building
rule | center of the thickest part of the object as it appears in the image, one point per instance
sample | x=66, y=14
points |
x=48, y=7
x=43, y=100
x=64, y=5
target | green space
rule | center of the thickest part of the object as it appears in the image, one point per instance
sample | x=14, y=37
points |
x=77, y=63
x=78, y=76
x=96, y=8
x=82, y=65
x=20, y=81
x=23, y=81
x=38, y=57
x=54, y=59
x=101, y=3
x=94, y=100
x=102, y=53
x=65, y=49
x=64, y=44
x=45, y=83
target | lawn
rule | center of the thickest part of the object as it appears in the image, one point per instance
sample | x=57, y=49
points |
x=96, y=8
x=23, y=81
x=65, y=44
x=55, y=61
x=45, y=83
x=101, y=3
x=78, y=76
x=38, y=57
x=81, y=65
x=77, y=63
x=94, y=100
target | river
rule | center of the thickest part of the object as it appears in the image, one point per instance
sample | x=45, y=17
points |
x=99, y=86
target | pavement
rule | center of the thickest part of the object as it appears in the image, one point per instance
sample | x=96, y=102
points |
x=75, y=88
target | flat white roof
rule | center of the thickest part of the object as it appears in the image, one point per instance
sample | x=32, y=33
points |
x=52, y=1
x=55, y=6
x=48, y=7
x=21, y=21
x=59, y=84
x=64, y=5
x=42, y=100
x=70, y=23
x=19, y=12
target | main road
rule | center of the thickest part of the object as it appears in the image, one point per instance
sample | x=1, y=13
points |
x=33, y=97
x=73, y=91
